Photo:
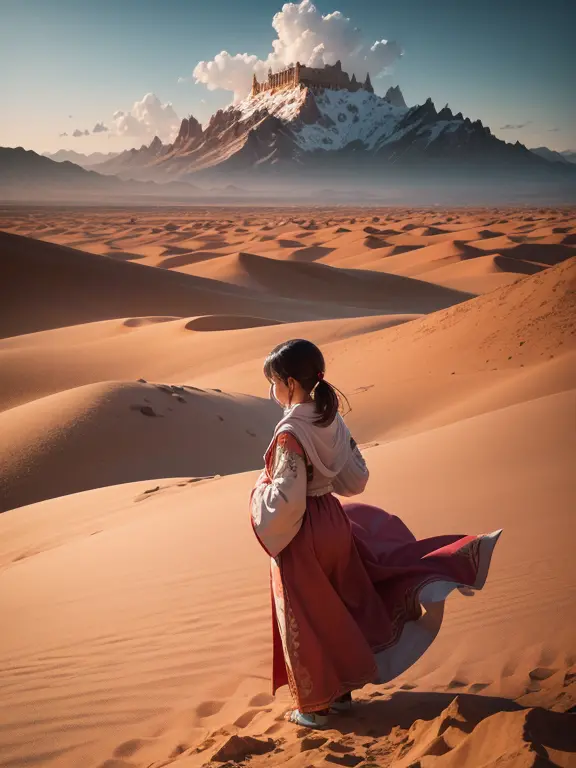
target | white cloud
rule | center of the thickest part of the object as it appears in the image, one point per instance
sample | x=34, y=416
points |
x=147, y=118
x=304, y=35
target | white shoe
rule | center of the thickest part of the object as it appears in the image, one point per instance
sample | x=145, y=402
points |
x=308, y=719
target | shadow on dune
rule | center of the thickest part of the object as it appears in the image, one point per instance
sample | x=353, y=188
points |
x=535, y=253
x=381, y=232
x=228, y=322
x=124, y=255
x=346, y=287
x=310, y=253
x=486, y=234
x=544, y=253
x=290, y=244
x=375, y=242
x=186, y=258
x=177, y=250
x=404, y=249
x=403, y=708
x=507, y=264
x=543, y=729
x=541, y=253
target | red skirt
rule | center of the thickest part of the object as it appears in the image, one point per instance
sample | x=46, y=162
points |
x=347, y=596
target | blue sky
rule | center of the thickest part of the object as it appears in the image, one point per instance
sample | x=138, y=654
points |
x=506, y=62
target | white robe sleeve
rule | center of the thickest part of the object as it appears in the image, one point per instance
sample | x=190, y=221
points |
x=352, y=479
x=278, y=507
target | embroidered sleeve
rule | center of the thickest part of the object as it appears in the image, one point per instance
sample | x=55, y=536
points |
x=278, y=506
x=353, y=477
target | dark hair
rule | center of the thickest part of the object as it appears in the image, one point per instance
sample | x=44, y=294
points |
x=301, y=360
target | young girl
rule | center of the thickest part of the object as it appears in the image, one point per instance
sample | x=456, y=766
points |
x=347, y=581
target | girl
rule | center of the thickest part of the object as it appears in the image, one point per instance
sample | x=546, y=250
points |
x=347, y=581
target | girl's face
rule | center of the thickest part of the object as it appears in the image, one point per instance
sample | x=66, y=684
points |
x=281, y=392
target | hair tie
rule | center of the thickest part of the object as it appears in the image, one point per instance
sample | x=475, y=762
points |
x=320, y=376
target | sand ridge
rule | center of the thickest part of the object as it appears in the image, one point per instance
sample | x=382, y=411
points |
x=133, y=418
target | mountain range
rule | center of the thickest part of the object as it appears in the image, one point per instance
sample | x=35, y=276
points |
x=80, y=158
x=301, y=130
x=566, y=156
x=300, y=143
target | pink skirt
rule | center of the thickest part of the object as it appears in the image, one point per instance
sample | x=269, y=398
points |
x=347, y=596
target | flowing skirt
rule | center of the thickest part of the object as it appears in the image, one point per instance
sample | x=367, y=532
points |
x=347, y=597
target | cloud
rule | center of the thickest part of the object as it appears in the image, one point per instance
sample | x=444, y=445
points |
x=147, y=118
x=552, y=130
x=514, y=126
x=77, y=133
x=304, y=35
x=62, y=134
x=100, y=128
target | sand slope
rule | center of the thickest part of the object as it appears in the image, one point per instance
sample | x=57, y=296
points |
x=512, y=345
x=173, y=647
x=135, y=614
x=114, y=432
x=68, y=287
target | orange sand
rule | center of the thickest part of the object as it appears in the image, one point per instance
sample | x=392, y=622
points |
x=135, y=611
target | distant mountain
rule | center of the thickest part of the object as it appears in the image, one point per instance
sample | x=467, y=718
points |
x=569, y=155
x=25, y=175
x=550, y=155
x=303, y=132
x=79, y=158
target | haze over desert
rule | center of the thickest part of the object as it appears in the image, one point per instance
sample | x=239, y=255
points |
x=134, y=597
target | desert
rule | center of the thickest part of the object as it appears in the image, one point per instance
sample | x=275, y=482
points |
x=134, y=415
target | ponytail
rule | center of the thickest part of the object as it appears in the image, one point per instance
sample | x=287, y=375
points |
x=326, y=403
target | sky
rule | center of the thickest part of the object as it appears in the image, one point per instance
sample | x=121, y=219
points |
x=106, y=75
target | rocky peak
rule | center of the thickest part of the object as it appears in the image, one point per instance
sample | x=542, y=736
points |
x=309, y=112
x=425, y=112
x=156, y=146
x=395, y=97
x=445, y=113
x=190, y=129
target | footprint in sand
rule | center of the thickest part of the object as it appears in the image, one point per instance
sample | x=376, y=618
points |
x=147, y=493
x=178, y=750
x=129, y=748
x=541, y=673
x=209, y=708
x=147, y=410
x=261, y=700
x=246, y=717
x=477, y=687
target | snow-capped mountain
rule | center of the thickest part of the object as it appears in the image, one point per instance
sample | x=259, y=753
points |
x=300, y=128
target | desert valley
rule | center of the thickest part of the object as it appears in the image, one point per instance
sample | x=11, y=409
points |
x=134, y=597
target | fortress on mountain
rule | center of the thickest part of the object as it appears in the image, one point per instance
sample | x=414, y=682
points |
x=330, y=76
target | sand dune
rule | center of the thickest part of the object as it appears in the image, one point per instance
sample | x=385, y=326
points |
x=153, y=664
x=134, y=598
x=320, y=282
x=114, y=432
x=66, y=287
x=190, y=242
x=39, y=364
